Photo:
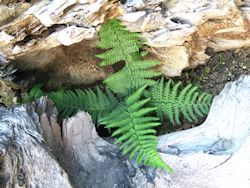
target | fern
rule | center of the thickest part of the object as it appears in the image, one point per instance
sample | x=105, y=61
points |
x=135, y=130
x=119, y=42
x=172, y=102
x=122, y=45
x=35, y=93
x=70, y=102
x=97, y=104
x=134, y=127
x=131, y=77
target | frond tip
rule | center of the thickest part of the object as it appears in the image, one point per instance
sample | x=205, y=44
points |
x=134, y=130
x=123, y=45
x=118, y=41
x=173, y=102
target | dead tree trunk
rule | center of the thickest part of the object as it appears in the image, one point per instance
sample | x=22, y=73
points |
x=215, y=154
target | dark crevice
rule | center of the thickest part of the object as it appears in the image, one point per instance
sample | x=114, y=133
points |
x=180, y=21
x=123, y=1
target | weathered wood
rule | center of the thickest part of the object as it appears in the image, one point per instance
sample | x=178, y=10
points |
x=225, y=128
x=89, y=160
x=215, y=154
x=177, y=32
x=24, y=160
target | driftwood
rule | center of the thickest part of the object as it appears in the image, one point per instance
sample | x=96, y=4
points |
x=178, y=32
x=215, y=154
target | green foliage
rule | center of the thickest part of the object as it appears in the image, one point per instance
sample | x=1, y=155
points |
x=135, y=130
x=172, y=102
x=122, y=45
x=96, y=103
x=69, y=102
x=128, y=114
x=35, y=93
x=119, y=43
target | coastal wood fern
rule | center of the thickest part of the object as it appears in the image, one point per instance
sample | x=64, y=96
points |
x=96, y=103
x=134, y=130
x=69, y=102
x=122, y=45
x=172, y=102
x=132, y=97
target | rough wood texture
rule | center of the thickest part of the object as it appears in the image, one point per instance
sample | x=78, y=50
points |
x=24, y=160
x=225, y=128
x=178, y=32
x=89, y=160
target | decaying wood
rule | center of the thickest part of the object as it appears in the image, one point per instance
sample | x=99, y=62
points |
x=24, y=160
x=89, y=160
x=216, y=154
x=177, y=32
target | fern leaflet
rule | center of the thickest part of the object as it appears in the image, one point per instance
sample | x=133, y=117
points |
x=119, y=42
x=131, y=77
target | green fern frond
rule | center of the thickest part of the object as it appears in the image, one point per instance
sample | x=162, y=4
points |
x=123, y=45
x=96, y=103
x=134, y=130
x=120, y=42
x=115, y=35
x=67, y=102
x=131, y=78
x=173, y=102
